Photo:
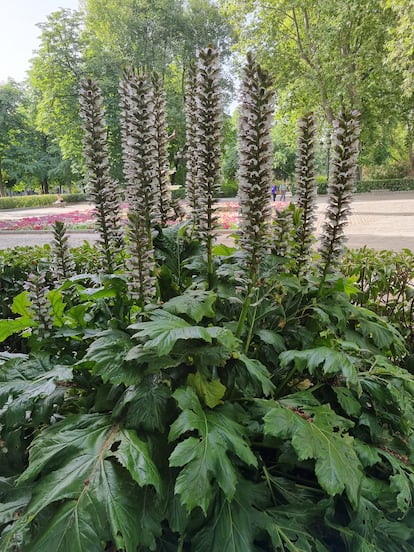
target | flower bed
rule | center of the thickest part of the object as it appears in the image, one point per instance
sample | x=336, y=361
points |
x=73, y=219
x=84, y=220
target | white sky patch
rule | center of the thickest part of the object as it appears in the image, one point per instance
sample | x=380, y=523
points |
x=19, y=34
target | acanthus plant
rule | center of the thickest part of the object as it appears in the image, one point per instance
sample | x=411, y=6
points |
x=140, y=154
x=191, y=142
x=207, y=156
x=306, y=188
x=341, y=186
x=175, y=432
x=103, y=190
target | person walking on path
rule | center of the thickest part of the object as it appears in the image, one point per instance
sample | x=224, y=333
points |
x=283, y=189
x=274, y=192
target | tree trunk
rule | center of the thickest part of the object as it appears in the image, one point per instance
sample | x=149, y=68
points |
x=410, y=159
x=2, y=190
x=45, y=186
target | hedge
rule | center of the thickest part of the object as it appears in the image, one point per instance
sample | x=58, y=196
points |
x=393, y=185
x=26, y=201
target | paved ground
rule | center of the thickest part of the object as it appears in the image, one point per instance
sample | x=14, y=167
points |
x=382, y=220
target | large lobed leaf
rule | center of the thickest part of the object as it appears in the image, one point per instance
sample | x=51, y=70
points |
x=330, y=360
x=31, y=389
x=107, y=356
x=206, y=458
x=197, y=304
x=319, y=433
x=164, y=330
x=99, y=478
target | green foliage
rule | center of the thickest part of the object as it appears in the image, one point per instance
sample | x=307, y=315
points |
x=158, y=429
x=204, y=419
x=38, y=200
x=363, y=186
x=229, y=188
x=392, y=185
x=385, y=283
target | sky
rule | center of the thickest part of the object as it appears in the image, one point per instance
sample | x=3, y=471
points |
x=19, y=35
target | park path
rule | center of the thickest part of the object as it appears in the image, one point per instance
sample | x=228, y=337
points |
x=381, y=220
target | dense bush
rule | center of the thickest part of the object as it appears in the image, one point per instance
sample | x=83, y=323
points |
x=26, y=201
x=393, y=185
x=322, y=184
x=386, y=285
x=229, y=188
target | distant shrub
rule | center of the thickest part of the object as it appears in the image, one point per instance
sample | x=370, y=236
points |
x=178, y=193
x=229, y=188
x=390, y=184
x=322, y=184
x=75, y=198
x=27, y=201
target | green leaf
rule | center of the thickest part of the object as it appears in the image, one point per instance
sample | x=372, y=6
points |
x=97, y=293
x=74, y=464
x=272, y=338
x=205, y=458
x=366, y=453
x=30, y=389
x=146, y=406
x=11, y=326
x=383, y=334
x=21, y=304
x=133, y=454
x=12, y=499
x=402, y=486
x=330, y=360
x=58, y=306
x=235, y=523
x=165, y=329
x=108, y=357
x=320, y=435
x=196, y=304
x=211, y=392
x=347, y=400
x=291, y=529
x=259, y=372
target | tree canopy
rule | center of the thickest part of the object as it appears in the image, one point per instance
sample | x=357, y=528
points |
x=324, y=56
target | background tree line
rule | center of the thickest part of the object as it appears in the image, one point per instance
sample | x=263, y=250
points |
x=324, y=56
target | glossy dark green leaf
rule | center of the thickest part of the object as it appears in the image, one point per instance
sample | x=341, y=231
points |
x=75, y=464
x=108, y=357
x=320, y=434
x=197, y=304
x=258, y=371
x=205, y=458
x=330, y=361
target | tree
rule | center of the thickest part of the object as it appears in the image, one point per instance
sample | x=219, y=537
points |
x=11, y=126
x=55, y=75
x=324, y=55
x=401, y=55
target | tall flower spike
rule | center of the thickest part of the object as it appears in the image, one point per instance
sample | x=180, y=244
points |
x=103, y=190
x=191, y=142
x=305, y=188
x=162, y=162
x=139, y=145
x=343, y=176
x=63, y=264
x=208, y=140
x=40, y=304
x=282, y=233
x=140, y=161
x=255, y=165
